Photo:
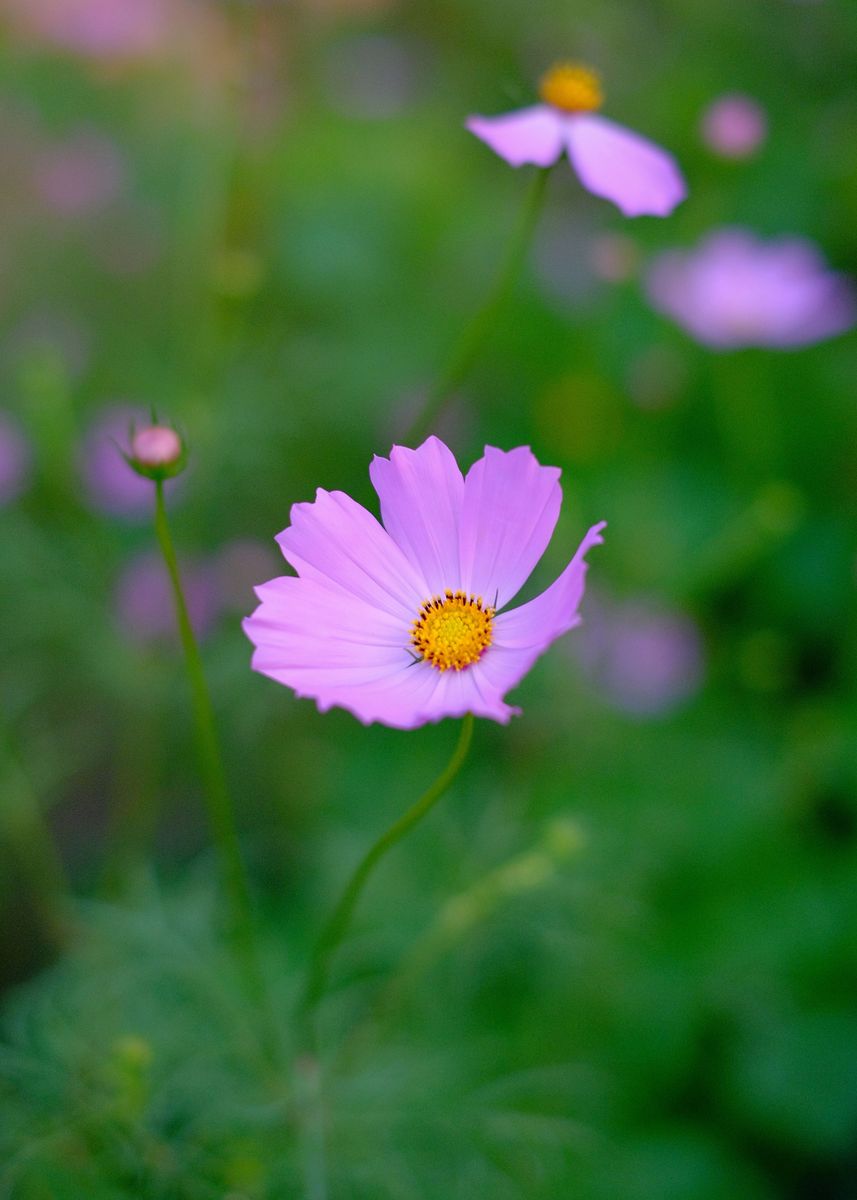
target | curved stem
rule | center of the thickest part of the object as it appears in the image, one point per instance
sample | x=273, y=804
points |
x=335, y=929
x=220, y=810
x=477, y=331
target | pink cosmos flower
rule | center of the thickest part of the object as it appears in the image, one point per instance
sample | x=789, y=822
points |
x=401, y=623
x=639, y=177
x=734, y=126
x=734, y=290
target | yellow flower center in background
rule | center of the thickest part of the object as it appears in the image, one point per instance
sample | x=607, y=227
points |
x=571, y=87
x=452, y=630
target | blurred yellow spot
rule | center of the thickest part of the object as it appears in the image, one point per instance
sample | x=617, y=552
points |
x=581, y=416
x=132, y=1051
x=779, y=507
x=452, y=631
x=571, y=88
x=237, y=274
x=564, y=838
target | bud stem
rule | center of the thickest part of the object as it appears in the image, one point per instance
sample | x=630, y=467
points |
x=220, y=809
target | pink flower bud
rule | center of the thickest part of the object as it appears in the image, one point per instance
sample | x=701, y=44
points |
x=157, y=446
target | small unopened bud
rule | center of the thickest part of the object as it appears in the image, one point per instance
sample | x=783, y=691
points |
x=157, y=446
x=157, y=452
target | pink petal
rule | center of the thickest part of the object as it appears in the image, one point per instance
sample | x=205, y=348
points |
x=310, y=634
x=542, y=620
x=468, y=691
x=611, y=161
x=421, y=492
x=509, y=512
x=531, y=135
x=336, y=540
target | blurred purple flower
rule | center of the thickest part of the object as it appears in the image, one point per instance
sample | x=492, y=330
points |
x=111, y=485
x=639, y=177
x=143, y=600
x=643, y=658
x=15, y=459
x=96, y=28
x=734, y=126
x=734, y=291
x=79, y=176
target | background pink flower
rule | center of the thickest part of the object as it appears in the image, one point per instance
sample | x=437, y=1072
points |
x=734, y=126
x=401, y=623
x=610, y=161
x=644, y=658
x=735, y=290
x=96, y=28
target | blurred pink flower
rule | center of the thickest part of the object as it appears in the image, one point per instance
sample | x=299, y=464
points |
x=643, y=658
x=79, y=176
x=734, y=290
x=111, y=485
x=15, y=459
x=734, y=126
x=96, y=28
x=143, y=601
x=400, y=622
x=639, y=177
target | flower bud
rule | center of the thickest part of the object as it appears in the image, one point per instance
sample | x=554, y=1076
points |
x=157, y=452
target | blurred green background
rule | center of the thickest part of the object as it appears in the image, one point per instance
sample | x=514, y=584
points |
x=619, y=961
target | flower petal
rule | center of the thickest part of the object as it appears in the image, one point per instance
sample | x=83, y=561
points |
x=304, y=627
x=421, y=492
x=337, y=540
x=531, y=135
x=613, y=162
x=524, y=633
x=544, y=619
x=509, y=512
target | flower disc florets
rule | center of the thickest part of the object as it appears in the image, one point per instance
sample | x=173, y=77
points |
x=571, y=87
x=453, y=630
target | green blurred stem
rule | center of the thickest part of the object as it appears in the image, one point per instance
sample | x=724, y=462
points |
x=220, y=810
x=26, y=834
x=477, y=332
x=337, y=925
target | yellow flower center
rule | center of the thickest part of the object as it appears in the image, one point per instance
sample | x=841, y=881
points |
x=452, y=630
x=571, y=88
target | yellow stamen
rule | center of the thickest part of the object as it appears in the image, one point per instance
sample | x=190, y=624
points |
x=453, y=630
x=571, y=88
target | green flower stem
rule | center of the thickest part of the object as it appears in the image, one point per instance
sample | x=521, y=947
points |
x=26, y=838
x=337, y=925
x=476, y=333
x=220, y=810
